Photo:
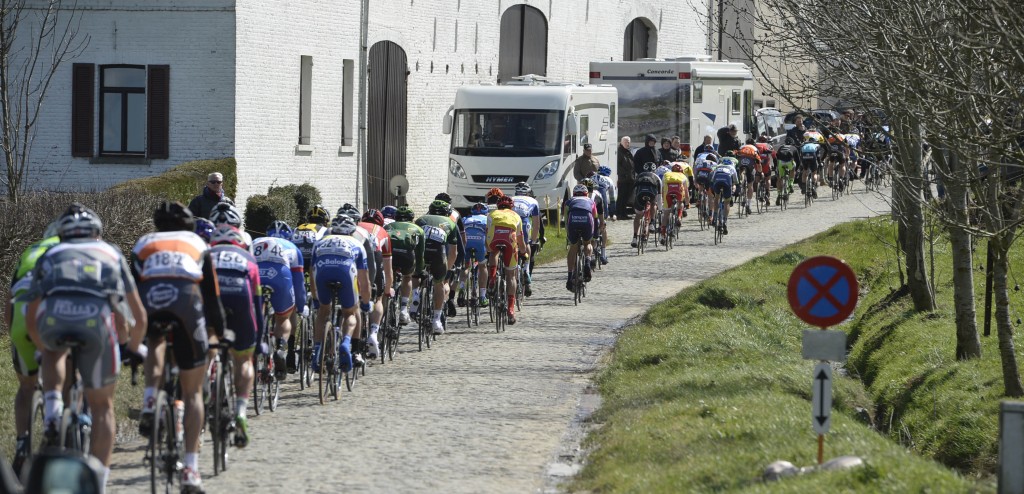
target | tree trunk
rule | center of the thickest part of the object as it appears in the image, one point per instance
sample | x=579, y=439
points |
x=968, y=343
x=1012, y=385
x=907, y=196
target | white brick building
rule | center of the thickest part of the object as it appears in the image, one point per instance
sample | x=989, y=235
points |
x=239, y=71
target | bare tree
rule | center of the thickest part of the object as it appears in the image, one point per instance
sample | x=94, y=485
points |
x=36, y=39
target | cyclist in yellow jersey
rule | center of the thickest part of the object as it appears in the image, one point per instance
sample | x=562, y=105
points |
x=504, y=230
x=675, y=188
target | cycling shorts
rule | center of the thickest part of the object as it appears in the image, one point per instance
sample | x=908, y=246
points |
x=343, y=273
x=766, y=166
x=673, y=194
x=240, y=317
x=506, y=237
x=403, y=262
x=746, y=167
x=643, y=194
x=435, y=256
x=378, y=280
x=810, y=164
x=23, y=351
x=279, y=278
x=722, y=189
x=178, y=300
x=90, y=322
x=579, y=225
x=476, y=247
x=703, y=177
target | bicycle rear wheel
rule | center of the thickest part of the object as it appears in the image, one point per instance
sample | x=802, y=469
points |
x=163, y=457
x=259, y=391
x=217, y=418
x=37, y=427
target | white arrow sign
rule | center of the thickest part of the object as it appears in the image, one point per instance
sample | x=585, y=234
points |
x=821, y=398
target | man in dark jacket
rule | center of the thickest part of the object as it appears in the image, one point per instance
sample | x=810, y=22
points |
x=667, y=153
x=795, y=136
x=625, y=170
x=646, y=154
x=212, y=193
x=728, y=140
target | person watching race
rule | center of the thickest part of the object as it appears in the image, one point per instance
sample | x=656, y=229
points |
x=580, y=212
x=476, y=246
x=439, y=253
x=407, y=245
x=177, y=279
x=82, y=289
x=238, y=277
x=504, y=238
x=373, y=222
x=280, y=267
x=529, y=211
x=646, y=190
x=675, y=189
x=339, y=258
x=723, y=185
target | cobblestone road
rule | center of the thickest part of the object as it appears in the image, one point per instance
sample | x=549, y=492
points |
x=484, y=412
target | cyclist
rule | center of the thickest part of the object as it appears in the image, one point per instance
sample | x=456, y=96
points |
x=703, y=167
x=723, y=183
x=225, y=212
x=375, y=268
x=439, y=252
x=177, y=279
x=83, y=286
x=606, y=186
x=749, y=160
x=280, y=268
x=838, y=152
x=476, y=245
x=675, y=189
x=787, y=155
x=283, y=233
x=407, y=244
x=764, y=168
x=491, y=198
x=238, y=277
x=503, y=232
x=646, y=189
x=339, y=258
x=309, y=233
x=810, y=165
x=529, y=211
x=373, y=222
x=454, y=276
x=23, y=350
x=580, y=213
x=600, y=229
x=389, y=213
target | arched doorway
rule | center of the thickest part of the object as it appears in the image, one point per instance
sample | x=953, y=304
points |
x=386, y=126
x=640, y=41
x=523, y=46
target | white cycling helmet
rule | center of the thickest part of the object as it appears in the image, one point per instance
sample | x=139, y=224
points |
x=224, y=213
x=580, y=190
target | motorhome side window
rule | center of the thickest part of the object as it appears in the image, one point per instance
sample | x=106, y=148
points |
x=568, y=140
x=506, y=133
x=737, y=102
x=698, y=91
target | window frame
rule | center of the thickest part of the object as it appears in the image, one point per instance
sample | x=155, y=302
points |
x=737, y=102
x=124, y=92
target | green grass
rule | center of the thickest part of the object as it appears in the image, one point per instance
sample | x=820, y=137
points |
x=185, y=181
x=699, y=399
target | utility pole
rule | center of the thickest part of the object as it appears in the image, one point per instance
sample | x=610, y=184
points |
x=721, y=29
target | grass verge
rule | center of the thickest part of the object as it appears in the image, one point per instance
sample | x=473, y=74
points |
x=699, y=398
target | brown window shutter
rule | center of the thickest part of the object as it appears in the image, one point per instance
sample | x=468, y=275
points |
x=158, y=111
x=83, y=98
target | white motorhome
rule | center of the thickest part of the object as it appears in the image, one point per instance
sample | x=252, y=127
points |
x=688, y=97
x=528, y=130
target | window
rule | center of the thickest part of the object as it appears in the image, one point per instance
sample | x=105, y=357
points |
x=506, y=133
x=134, y=106
x=611, y=115
x=305, y=100
x=737, y=102
x=122, y=109
x=348, y=78
x=584, y=129
x=748, y=111
x=698, y=91
x=640, y=40
x=522, y=43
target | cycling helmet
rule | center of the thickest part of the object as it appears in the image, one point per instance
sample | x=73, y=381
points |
x=810, y=138
x=404, y=213
x=227, y=234
x=580, y=190
x=650, y=167
x=51, y=229
x=343, y=225
x=505, y=202
x=605, y=171
x=389, y=211
x=589, y=184
x=493, y=193
x=224, y=213
x=318, y=215
x=677, y=168
x=443, y=196
x=439, y=208
x=478, y=208
x=523, y=189
x=279, y=229
x=350, y=211
x=79, y=221
x=373, y=216
x=172, y=216
x=712, y=158
x=205, y=228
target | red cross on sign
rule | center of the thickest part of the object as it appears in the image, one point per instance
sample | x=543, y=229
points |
x=822, y=291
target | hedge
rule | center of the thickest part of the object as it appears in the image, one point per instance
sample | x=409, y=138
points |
x=262, y=209
x=305, y=197
x=185, y=181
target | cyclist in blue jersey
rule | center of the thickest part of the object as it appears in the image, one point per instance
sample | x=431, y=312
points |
x=281, y=269
x=811, y=154
x=476, y=245
x=529, y=210
x=723, y=181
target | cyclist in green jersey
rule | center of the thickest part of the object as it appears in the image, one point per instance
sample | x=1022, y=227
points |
x=441, y=244
x=407, y=244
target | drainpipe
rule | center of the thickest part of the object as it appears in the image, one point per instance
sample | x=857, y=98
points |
x=361, y=164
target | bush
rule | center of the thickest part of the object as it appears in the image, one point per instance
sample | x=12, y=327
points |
x=184, y=181
x=262, y=210
x=305, y=196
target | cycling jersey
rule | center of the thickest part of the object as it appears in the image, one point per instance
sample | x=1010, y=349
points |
x=598, y=203
x=440, y=232
x=374, y=257
x=305, y=236
x=672, y=189
x=23, y=350
x=337, y=259
x=238, y=276
x=764, y=151
x=527, y=207
x=580, y=212
x=722, y=180
x=748, y=150
x=786, y=153
x=280, y=263
x=407, y=244
x=647, y=186
x=502, y=231
x=476, y=236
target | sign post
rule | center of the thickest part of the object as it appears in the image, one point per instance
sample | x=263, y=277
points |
x=822, y=291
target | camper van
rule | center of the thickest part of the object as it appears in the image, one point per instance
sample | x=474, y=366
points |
x=527, y=130
x=689, y=97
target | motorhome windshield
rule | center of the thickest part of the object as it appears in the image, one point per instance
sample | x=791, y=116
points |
x=507, y=133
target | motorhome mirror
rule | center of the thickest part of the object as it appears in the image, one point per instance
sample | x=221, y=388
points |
x=446, y=124
x=573, y=123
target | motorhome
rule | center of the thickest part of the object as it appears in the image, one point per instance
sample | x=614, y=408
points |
x=689, y=97
x=526, y=130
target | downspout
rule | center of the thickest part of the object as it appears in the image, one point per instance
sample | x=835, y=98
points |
x=361, y=164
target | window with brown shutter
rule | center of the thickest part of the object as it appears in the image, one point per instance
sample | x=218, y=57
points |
x=83, y=87
x=158, y=111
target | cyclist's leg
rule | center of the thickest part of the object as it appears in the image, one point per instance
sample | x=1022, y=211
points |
x=240, y=320
x=25, y=368
x=101, y=408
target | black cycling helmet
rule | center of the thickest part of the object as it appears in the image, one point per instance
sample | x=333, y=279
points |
x=443, y=196
x=404, y=213
x=523, y=189
x=79, y=221
x=389, y=211
x=318, y=214
x=349, y=210
x=172, y=216
x=440, y=208
x=650, y=166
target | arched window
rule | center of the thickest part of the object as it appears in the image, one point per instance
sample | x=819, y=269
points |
x=641, y=40
x=386, y=128
x=523, y=46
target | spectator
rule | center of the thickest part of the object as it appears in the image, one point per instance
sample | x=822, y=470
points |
x=706, y=147
x=795, y=136
x=727, y=140
x=646, y=154
x=625, y=171
x=212, y=193
x=666, y=153
x=585, y=164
